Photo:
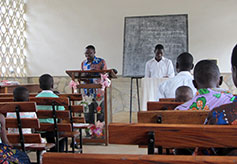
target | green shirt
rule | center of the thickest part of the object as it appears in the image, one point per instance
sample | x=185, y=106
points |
x=47, y=93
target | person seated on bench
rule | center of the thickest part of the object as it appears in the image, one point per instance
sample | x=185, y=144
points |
x=46, y=84
x=21, y=94
x=183, y=94
x=226, y=114
x=7, y=153
x=184, y=65
x=207, y=80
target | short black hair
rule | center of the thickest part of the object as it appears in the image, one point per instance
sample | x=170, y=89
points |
x=234, y=56
x=185, y=61
x=46, y=82
x=159, y=47
x=21, y=94
x=206, y=71
x=183, y=94
x=90, y=47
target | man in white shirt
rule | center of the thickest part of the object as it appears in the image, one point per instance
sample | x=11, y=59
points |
x=184, y=65
x=159, y=66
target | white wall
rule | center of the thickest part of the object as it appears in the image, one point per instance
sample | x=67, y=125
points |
x=58, y=30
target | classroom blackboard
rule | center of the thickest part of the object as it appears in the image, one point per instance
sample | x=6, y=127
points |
x=143, y=33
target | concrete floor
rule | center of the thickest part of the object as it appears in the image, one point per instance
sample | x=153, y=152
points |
x=111, y=149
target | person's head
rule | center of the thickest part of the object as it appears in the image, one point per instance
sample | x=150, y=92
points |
x=183, y=94
x=46, y=82
x=234, y=65
x=184, y=62
x=206, y=75
x=90, y=53
x=159, y=52
x=21, y=94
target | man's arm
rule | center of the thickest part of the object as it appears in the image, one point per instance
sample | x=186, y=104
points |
x=3, y=133
x=82, y=65
x=104, y=65
x=147, y=72
x=170, y=71
x=161, y=91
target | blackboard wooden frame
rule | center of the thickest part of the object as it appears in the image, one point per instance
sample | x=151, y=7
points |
x=151, y=16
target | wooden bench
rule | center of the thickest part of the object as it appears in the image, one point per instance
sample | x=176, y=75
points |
x=156, y=105
x=78, y=122
x=24, y=141
x=52, y=158
x=173, y=135
x=65, y=128
x=172, y=117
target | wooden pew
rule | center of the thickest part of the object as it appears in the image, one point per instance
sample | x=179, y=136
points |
x=65, y=128
x=63, y=158
x=172, y=117
x=173, y=135
x=156, y=105
x=24, y=141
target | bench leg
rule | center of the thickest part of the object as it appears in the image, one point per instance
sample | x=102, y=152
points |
x=73, y=144
x=66, y=144
x=38, y=153
x=81, y=140
x=151, y=142
x=160, y=150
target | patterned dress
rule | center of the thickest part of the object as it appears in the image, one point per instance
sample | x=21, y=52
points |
x=207, y=99
x=224, y=115
x=10, y=155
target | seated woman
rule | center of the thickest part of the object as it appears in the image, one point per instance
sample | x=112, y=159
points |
x=7, y=153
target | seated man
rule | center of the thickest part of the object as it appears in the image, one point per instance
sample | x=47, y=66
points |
x=46, y=84
x=207, y=81
x=226, y=114
x=183, y=94
x=184, y=65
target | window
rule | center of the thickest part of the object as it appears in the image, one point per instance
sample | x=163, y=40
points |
x=12, y=38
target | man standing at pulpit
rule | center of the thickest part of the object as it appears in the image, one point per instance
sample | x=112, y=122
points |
x=159, y=66
x=93, y=63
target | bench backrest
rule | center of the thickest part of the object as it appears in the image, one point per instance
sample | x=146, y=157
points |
x=156, y=105
x=174, y=135
x=172, y=117
x=19, y=123
x=69, y=158
x=43, y=114
x=167, y=99
x=11, y=95
x=23, y=106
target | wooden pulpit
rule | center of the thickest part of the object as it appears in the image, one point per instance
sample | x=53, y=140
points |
x=82, y=77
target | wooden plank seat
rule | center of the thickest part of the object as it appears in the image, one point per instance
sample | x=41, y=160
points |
x=156, y=105
x=65, y=158
x=63, y=127
x=173, y=135
x=172, y=117
x=25, y=142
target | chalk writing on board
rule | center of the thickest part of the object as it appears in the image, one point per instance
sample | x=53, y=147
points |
x=142, y=33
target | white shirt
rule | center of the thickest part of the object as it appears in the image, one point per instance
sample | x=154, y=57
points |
x=167, y=89
x=159, y=69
